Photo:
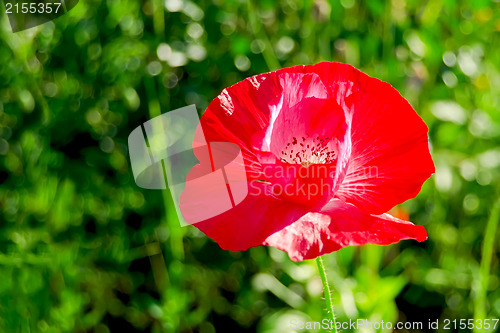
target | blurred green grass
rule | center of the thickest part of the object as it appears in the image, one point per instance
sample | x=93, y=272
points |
x=83, y=249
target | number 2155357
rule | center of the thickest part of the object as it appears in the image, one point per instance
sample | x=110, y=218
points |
x=33, y=8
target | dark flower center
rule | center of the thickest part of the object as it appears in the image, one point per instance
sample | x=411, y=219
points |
x=308, y=151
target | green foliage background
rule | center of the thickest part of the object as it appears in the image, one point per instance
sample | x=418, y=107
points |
x=83, y=249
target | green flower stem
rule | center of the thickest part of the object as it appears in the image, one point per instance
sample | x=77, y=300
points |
x=327, y=292
x=484, y=271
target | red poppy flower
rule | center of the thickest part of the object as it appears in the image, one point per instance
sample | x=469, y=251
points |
x=327, y=150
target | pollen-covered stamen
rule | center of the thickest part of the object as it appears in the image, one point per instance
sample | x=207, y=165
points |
x=307, y=151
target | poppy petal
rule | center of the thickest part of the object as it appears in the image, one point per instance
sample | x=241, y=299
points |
x=272, y=111
x=252, y=221
x=251, y=106
x=339, y=225
x=389, y=159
